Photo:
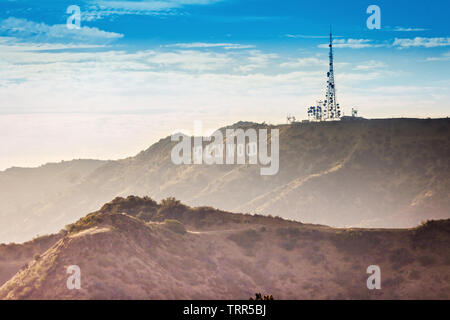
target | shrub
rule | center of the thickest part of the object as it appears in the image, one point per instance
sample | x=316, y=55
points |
x=401, y=257
x=289, y=237
x=145, y=215
x=393, y=282
x=432, y=234
x=170, y=202
x=355, y=241
x=414, y=275
x=175, y=226
x=142, y=208
x=246, y=239
x=427, y=261
x=170, y=208
x=259, y=296
x=84, y=223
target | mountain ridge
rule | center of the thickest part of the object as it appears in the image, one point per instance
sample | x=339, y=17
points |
x=136, y=248
x=384, y=173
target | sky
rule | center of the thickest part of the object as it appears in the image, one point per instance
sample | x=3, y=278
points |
x=137, y=71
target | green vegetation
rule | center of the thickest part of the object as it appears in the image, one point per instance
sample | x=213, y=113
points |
x=414, y=275
x=246, y=239
x=431, y=234
x=175, y=226
x=232, y=251
x=87, y=222
x=427, y=261
x=143, y=208
x=356, y=241
x=259, y=296
x=170, y=208
x=401, y=257
x=289, y=237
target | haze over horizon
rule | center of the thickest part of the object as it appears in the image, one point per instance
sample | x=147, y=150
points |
x=137, y=71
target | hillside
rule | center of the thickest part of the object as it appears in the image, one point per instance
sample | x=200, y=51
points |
x=372, y=173
x=134, y=248
x=25, y=192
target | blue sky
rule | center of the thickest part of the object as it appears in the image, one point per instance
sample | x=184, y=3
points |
x=138, y=70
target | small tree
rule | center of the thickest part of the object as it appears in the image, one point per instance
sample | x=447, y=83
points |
x=259, y=296
x=170, y=208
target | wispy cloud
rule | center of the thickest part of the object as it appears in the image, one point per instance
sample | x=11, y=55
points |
x=350, y=43
x=307, y=36
x=421, y=42
x=254, y=60
x=227, y=46
x=443, y=57
x=41, y=32
x=101, y=8
x=13, y=44
x=189, y=60
x=369, y=65
x=408, y=29
x=304, y=36
x=304, y=62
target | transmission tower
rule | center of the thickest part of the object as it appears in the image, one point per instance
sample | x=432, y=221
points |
x=332, y=110
x=327, y=109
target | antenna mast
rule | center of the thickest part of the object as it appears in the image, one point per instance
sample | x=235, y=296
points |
x=332, y=110
x=327, y=109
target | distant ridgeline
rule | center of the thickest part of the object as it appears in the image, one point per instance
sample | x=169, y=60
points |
x=371, y=173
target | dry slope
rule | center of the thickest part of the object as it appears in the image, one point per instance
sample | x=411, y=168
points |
x=135, y=249
x=371, y=173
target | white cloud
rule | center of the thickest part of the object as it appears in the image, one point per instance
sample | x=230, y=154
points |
x=41, y=32
x=101, y=8
x=304, y=62
x=369, y=65
x=227, y=46
x=350, y=43
x=408, y=29
x=303, y=36
x=109, y=104
x=443, y=57
x=421, y=42
x=254, y=60
x=190, y=60
x=11, y=44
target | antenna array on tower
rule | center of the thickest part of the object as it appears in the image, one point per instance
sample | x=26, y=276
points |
x=327, y=109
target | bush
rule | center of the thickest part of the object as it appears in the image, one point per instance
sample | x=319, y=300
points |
x=84, y=223
x=414, y=275
x=259, y=296
x=143, y=208
x=246, y=239
x=170, y=208
x=355, y=241
x=170, y=202
x=432, y=235
x=289, y=237
x=427, y=261
x=175, y=226
x=401, y=257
